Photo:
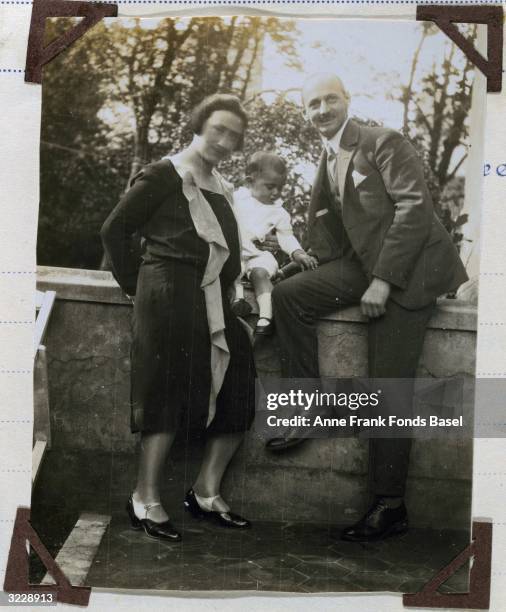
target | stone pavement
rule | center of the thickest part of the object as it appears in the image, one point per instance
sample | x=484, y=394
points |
x=286, y=557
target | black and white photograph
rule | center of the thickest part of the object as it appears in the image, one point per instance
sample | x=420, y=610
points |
x=232, y=201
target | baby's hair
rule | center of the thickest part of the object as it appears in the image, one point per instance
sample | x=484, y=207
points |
x=261, y=160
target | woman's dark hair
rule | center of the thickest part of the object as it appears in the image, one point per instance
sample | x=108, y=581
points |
x=217, y=102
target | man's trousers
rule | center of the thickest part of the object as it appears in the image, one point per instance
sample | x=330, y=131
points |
x=395, y=342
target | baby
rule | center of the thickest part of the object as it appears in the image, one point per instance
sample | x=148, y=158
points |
x=259, y=211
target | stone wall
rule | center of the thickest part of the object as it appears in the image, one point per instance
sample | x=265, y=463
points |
x=324, y=480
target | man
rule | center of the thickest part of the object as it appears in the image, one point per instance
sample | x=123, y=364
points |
x=372, y=227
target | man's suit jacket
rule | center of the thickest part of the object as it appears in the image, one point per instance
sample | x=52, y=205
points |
x=388, y=216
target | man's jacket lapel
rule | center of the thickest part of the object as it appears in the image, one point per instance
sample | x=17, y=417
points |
x=347, y=149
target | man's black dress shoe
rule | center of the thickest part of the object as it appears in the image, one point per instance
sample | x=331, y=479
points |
x=280, y=444
x=225, y=519
x=158, y=531
x=378, y=523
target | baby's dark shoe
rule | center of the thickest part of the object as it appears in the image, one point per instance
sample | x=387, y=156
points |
x=241, y=308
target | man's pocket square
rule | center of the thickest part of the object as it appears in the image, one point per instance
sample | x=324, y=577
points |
x=321, y=212
x=357, y=177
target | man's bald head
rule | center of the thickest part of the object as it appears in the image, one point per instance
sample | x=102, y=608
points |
x=325, y=102
x=322, y=78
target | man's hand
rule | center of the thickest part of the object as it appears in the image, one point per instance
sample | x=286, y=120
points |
x=270, y=243
x=305, y=261
x=374, y=299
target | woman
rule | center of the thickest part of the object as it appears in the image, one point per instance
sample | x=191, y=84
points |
x=192, y=362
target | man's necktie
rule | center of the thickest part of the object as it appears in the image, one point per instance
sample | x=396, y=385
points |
x=331, y=169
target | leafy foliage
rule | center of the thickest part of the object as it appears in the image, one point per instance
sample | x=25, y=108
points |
x=79, y=174
x=119, y=98
x=436, y=120
x=121, y=95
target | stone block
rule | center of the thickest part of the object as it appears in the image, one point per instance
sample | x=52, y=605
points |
x=88, y=345
x=88, y=360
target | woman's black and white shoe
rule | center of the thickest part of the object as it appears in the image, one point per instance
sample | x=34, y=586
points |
x=158, y=531
x=225, y=519
x=264, y=327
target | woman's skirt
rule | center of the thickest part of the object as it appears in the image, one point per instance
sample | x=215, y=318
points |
x=171, y=356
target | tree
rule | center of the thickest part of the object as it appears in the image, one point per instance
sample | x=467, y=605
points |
x=436, y=120
x=121, y=96
x=427, y=29
x=146, y=78
x=78, y=175
x=162, y=72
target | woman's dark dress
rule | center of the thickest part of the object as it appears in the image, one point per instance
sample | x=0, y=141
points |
x=171, y=349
